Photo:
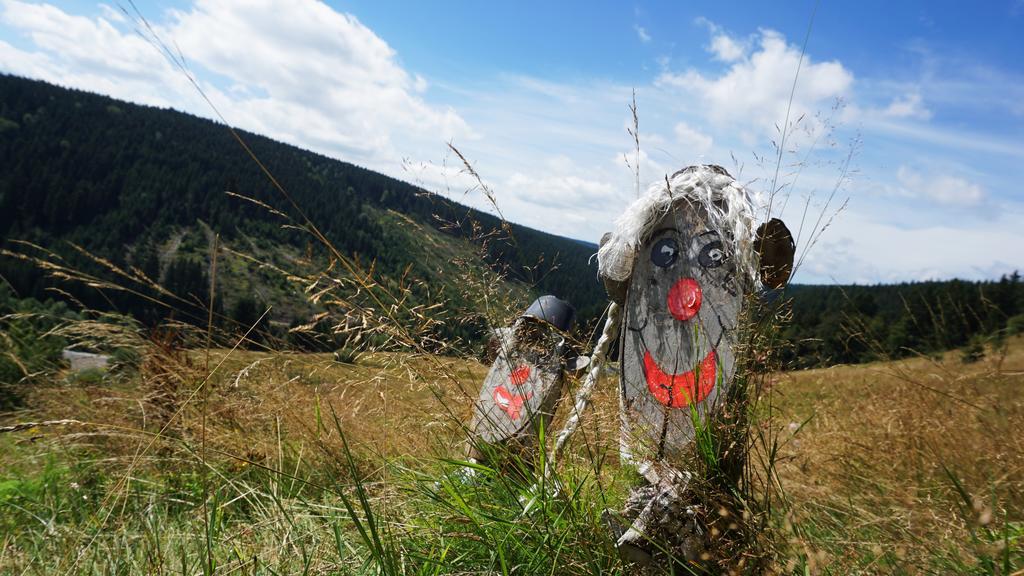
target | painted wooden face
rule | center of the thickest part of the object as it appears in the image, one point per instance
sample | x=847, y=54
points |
x=681, y=312
x=523, y=384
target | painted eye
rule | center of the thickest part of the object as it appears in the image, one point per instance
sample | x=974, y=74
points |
x=712, y=255
x=664, y=252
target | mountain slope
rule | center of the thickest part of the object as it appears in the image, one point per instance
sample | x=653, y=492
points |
x=153, y=189
x=143, y=187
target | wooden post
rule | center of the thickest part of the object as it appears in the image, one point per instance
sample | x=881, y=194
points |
x=681, y=262
x=525, y=381
x=677, y=338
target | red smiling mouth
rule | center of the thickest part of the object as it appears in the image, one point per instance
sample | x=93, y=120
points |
x=511, y=403
x=678, y=390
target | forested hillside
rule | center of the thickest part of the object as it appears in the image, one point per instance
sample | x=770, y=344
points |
x=149, y=188
x=850, y=324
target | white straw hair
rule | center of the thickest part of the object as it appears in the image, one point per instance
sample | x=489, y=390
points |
x=725, y=201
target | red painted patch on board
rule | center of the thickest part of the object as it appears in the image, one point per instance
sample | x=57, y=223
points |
x=678, y=390
x=684, y=299
x=519, y=375
x=511, y=403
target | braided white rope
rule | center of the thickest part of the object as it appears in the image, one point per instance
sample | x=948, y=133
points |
x=611, y=328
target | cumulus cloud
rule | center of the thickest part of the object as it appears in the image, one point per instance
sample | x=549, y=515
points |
x=726, y=49
x=321, y=73
x=753, y=92
x=92, y=54
x=722, y=46
x=318, y=78
x=941, y=188
x=908, y=106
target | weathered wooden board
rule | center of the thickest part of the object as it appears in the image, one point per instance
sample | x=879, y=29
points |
x=677, y=340
x=525, y=381
x=680, y=275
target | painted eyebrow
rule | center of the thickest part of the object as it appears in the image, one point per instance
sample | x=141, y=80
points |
x=661, y=231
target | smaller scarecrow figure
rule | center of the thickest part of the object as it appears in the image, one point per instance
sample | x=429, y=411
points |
x=679, y=268
x=519, y=394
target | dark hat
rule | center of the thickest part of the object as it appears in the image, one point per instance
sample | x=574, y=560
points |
x=550, y=309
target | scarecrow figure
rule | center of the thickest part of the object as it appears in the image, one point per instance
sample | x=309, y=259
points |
x=524, y=383
x=678, y=267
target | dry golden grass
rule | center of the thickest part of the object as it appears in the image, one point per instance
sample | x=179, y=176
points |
x=384, y=403
x=868, y=476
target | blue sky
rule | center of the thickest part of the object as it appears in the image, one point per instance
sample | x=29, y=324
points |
x=903, y=157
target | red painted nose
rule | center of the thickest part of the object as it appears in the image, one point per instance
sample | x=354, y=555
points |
x=684, y=299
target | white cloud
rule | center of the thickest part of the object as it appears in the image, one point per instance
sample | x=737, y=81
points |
x=726, y=49
x=641, y=33
x=754, y=91
x=723, y=47
x=113, y=14
x=956, y=140
x=693, y=139
x=448, y=177
x=651, y=170
x=908, y=106
x=420, y=84
x=13, y=60
x=322, y=72
x=859, y=249
x=561, y=191
x=317, y=78
x=92, y=54
x=941, y=188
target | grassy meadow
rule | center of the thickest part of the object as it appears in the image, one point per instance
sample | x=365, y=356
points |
x=244, y=462
x=187, y=456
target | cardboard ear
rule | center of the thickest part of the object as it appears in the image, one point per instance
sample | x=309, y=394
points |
x=775, y=246
x=616, y=289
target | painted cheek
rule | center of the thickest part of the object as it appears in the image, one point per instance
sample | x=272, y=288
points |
x=519, y=375
x=684, y=299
